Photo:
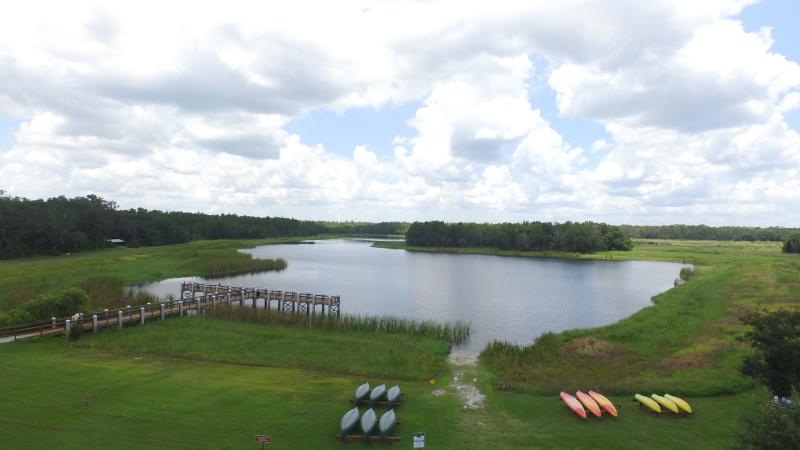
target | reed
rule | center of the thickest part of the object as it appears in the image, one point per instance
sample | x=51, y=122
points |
x=453, y=332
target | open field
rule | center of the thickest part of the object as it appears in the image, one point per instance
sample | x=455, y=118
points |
x=153, y=401
x=226, y=387
x=103, y=273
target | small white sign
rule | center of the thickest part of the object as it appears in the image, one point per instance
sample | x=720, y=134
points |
x=419, y=440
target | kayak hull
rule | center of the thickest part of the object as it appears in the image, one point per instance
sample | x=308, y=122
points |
x=387, y=423
x=368, y=422
x=376, y=394
x=680, y=403
x=349, y=421
x=589, y=403
x=393, y=395
x=666, y=403
x=604, y=402
x=362, y=392
x=573, y=404
x=648, y=403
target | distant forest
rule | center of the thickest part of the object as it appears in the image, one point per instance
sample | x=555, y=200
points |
x=706, y=233
x=581, y=237
x=62, y=225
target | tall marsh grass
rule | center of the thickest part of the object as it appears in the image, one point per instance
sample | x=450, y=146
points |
x=454, y=332
x=224, y=263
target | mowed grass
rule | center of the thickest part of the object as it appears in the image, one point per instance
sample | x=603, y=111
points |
x=153, y=401
x=365, y=353
x=23, y=279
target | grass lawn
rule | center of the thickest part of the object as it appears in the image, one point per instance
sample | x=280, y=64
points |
x=149, y=400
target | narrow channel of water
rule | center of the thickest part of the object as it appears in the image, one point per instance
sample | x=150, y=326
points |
x=508, y=298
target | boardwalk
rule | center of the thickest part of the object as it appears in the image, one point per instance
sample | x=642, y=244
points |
x=193, y=298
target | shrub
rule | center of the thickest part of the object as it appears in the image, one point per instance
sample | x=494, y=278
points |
x=792, y=244
x=771, y=426
x=776, y=339
x=64, y=303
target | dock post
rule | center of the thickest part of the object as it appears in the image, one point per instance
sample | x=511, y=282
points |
x=106, y=313
x=119, y=319
x=255, y=294
x=67, y=328
x=228, y=296
x=198, y=306
x=141, y=315
x=94, y=323
x=54, y=322
x=241, y=297
x=214, y=301
x=180, y=308
x=162, y=312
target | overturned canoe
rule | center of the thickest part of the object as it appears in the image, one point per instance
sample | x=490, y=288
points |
x=362, y=392
x=648, y=403
x=680, y=403
x=573, y=404
x=376, y=394
x=604, y=402
x=387, y=423
x=666, y=403
x=393, y=395
x=589, y=403
x=349, y=421
x=368, y=421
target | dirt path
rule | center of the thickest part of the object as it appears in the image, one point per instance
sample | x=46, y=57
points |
x=465, y=379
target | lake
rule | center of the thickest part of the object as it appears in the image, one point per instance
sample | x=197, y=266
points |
x=508, y=298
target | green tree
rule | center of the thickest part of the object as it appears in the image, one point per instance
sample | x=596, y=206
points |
x=792, y=244
x=775, y=337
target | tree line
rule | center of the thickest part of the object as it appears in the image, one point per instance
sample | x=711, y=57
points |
x=707, y=233
x=61, y=225
x=581, y=237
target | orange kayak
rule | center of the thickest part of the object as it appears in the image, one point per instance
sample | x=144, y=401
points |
x=603, y=402
x=590, y=404
x=573, y=404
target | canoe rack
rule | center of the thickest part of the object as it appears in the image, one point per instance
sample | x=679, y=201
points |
x=359, y=437
x=366, y=401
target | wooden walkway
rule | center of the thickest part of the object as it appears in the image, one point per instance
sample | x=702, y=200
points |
x=193, y=298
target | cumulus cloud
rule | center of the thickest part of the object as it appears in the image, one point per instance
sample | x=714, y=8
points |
x=151, y=107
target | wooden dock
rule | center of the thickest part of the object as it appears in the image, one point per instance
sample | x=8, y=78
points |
x=193, y=299
x=287, y=301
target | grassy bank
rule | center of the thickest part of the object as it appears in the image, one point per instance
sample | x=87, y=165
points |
x=366, y=353
x=686, y=342
x=153, y=401
x=103, y=273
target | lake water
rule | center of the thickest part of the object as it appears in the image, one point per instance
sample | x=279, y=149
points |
x=508, y=298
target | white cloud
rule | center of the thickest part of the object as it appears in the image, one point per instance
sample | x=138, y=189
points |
x=152, y=107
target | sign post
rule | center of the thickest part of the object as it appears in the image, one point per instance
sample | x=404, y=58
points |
x=419, y=439
x=264, y=439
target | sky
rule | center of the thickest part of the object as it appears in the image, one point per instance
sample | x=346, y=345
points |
x=622, y=111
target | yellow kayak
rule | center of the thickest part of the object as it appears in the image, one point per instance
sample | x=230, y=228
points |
x=648, y=403
x=666, y=403
x=680, y=403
